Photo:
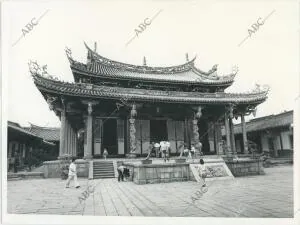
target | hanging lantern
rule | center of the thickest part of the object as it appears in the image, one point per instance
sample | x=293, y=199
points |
x=133, y=112
x=199, y=113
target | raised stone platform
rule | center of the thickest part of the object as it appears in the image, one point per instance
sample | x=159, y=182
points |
x=245, y=166
x=160, y=172
x=25, y=175
x=52, y=168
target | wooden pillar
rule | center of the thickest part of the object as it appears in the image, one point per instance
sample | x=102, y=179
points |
x=245, y=141
x=120, y=133
x=69, y=138
x=218, y=138
x=233, y=149
x=89, y=133
x=62, y=129
x=75, y=144
x=227, y=134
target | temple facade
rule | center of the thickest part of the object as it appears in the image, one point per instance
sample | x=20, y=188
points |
x=124, y=108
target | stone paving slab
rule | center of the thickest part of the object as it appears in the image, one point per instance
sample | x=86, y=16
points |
x=269, y=195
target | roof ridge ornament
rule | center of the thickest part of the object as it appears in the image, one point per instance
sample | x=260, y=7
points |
x=69, y=54
x=187, y=57
x=95, y=46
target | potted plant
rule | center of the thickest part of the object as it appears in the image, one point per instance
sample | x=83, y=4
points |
x=64, y=166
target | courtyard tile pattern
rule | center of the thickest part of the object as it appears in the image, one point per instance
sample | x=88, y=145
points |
x=269, y=195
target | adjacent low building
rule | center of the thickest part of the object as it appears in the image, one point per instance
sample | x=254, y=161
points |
x=27, y=146
x=273, y=134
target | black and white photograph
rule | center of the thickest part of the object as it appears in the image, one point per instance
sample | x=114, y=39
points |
x=150, y=112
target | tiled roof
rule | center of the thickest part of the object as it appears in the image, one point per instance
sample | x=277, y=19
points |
x=47, y=85
x=16, y=127
x=47, y=133
x=100, y=66
x=267, y=122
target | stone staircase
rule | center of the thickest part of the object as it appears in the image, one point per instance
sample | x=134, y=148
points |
x=103, y=169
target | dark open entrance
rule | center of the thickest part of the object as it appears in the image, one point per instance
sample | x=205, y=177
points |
x=203, y=136
x=110, y=136
x=158, y=130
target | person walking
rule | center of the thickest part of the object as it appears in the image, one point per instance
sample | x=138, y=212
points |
x=105, y=153
x=72, y=174
x=156, y=147
x=163, y=148
x=168, y=145
x=202, y=171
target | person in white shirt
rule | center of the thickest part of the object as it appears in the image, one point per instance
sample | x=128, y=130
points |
x=72, y=174
x=186, y=151
x=202, y=171
x=193, y=150
x=168, y=150
x=163, y=148
x=156, y=148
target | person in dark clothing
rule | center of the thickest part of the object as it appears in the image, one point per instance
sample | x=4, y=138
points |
x=122, y=172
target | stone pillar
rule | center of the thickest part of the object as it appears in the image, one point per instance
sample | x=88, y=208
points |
x=228, y=147
x=232, y=136
x=132, y=129
x=245, y=141
x=62, y=129
x=89, y=132
x=132, y=135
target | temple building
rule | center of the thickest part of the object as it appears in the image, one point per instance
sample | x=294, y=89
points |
x=124, y=108
x=272, y=134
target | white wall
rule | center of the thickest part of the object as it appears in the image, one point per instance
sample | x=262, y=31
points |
x=285, y=137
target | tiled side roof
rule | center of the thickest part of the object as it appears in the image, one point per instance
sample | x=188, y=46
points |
x=24, y=130
x=47, y=133
x=267, y=122
x=88, y=90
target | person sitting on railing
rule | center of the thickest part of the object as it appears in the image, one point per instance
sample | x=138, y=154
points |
x=186, y=151
x=193, y=150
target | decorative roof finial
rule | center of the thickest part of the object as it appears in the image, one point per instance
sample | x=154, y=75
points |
x=95, y=46
x=144, y=61
x=187, y=57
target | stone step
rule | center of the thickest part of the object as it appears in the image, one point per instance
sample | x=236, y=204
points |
x=102, y=176
x=103, y=169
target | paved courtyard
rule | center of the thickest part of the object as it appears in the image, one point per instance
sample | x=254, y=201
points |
x=269, y=195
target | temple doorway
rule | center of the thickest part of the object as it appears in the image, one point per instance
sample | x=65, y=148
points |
x=158, y=131
x=110, y=136
x=203, y=135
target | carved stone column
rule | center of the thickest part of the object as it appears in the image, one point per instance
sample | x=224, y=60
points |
x=231, y=130
x=62, y=129
x=132, y=129
x=198, y=145
x=245, y=141
x=89, y=130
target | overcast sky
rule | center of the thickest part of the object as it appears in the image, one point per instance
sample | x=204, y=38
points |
x=212, y=30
